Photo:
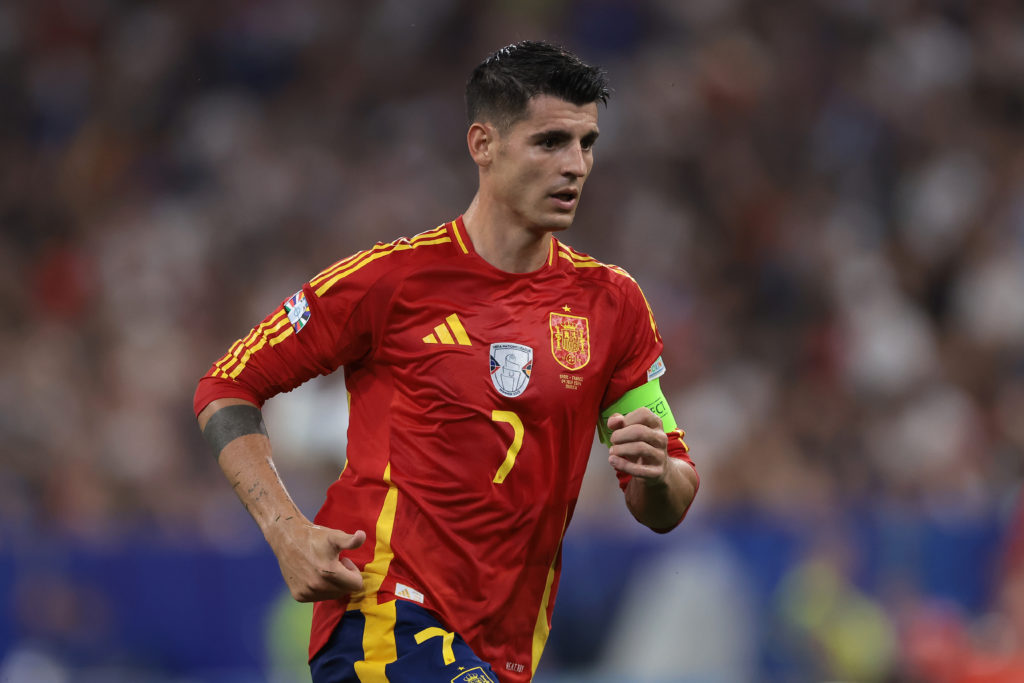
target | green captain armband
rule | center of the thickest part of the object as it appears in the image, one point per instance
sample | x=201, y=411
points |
x=646, y=395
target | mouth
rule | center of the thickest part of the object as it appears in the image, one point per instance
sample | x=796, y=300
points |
x=566, y=198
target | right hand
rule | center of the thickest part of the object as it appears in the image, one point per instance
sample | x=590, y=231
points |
x=309, y=556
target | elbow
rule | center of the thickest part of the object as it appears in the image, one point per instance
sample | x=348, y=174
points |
x=660, y=527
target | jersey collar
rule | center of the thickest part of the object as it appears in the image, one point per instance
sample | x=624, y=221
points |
x=460, y=237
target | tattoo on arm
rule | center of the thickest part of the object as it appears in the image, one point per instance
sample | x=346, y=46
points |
x=231, y=422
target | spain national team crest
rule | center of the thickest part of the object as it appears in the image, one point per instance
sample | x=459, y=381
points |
x=511, y=367
x=474, y=675
x=570, y=340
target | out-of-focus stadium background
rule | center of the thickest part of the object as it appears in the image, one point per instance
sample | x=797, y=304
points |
x=823, y=200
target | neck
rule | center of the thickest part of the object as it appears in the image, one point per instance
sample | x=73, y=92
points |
x=502, y=242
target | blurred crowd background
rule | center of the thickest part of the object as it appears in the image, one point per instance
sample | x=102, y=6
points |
x=822, y=199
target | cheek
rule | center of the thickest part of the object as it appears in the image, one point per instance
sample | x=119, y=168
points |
x=544, y=170
x=527, y=176
x=523, y=176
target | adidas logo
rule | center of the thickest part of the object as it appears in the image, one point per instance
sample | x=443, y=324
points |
x=403, y=591
x=452, y=333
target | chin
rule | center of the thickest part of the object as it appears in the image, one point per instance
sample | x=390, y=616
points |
x=557, y=223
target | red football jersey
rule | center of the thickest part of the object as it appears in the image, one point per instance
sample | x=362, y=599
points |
x=474, y=397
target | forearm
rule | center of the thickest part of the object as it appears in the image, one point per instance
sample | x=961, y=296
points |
x=247, y=464
x=309, y=555
x=661, y=504
x=245, y=459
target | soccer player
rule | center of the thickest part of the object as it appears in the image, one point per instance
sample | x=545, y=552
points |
x=478, y=357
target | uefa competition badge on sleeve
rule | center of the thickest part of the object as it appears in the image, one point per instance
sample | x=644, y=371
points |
x=511, y=367
x=656, y=370
x=297, y=309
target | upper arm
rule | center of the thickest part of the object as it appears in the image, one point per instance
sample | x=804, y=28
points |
x=638, y=357
x=327, y=323
x=213, y=406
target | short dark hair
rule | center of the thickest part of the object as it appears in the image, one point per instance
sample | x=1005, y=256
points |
x=501, y=86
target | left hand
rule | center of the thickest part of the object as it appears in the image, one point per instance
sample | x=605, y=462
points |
x=639, y=445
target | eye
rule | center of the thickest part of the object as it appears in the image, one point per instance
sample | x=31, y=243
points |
x=549, y=143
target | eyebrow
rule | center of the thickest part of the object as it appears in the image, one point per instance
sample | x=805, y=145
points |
x=560, y=135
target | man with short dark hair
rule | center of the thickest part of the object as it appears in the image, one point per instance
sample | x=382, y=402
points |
x=478, y=357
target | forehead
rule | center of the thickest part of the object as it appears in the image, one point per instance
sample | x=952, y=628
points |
x=546, y=112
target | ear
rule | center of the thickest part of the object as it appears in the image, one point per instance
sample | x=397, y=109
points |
x=481, y=139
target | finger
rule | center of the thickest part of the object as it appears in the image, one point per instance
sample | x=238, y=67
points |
x=642, y=434
x=643, y=416
x=325, y=583
x=636, y=469
x=342, y=574
x=344, y=571
x=616, y=421
x=638, y=451
x=327, y=588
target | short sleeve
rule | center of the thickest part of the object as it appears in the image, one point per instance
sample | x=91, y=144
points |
x=330, y=322
x=640, y=344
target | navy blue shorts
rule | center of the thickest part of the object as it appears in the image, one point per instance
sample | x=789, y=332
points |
x=399, y=642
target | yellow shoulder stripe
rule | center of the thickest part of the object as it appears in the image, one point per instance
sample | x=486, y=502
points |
x=325, y=281
x=218, y=367
x=579, y=260
x=232, y=364
x=650, y=312
x=237, y=364
x=235, y=355
x=345, y=262
x=580, y=263
x=277, y=328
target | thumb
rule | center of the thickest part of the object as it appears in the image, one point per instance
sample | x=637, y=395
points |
x=345, y=541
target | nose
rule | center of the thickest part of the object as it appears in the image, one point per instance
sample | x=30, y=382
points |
x=574, y=163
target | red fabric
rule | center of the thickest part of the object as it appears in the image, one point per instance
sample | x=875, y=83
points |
x=478, y=551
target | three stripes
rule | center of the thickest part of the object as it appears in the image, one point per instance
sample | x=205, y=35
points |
x=451, y=333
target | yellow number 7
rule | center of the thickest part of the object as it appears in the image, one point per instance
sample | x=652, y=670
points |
x=517, y=441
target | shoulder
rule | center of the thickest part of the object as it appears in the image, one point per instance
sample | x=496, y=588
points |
x=385, y=260
x=623, y=287
x=586, y=266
